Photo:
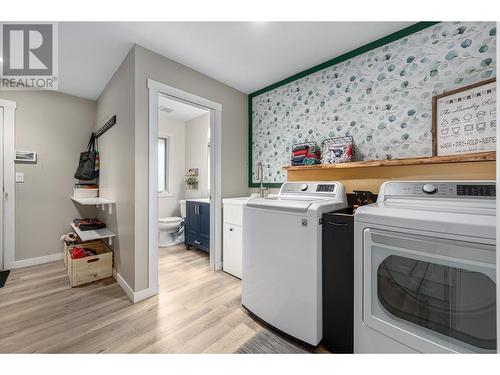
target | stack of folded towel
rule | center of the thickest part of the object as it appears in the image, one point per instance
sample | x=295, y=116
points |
x=89, y=224
x=305, y=154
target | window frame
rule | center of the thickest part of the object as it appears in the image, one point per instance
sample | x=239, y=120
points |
x=168, y=165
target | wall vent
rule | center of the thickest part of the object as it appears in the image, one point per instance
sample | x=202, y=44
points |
x=165, y=109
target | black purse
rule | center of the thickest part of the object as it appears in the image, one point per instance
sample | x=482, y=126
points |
x=87, y=164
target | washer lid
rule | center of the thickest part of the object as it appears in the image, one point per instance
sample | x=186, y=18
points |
x=299, y=205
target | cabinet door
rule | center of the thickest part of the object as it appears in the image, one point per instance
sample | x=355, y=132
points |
x=191, y=218
x=232, y=249
x=204, y=221
x=191, y=224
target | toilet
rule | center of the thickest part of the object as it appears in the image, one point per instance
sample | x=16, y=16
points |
x=171, y=229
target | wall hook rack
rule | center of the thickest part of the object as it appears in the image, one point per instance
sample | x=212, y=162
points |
x=107, y=125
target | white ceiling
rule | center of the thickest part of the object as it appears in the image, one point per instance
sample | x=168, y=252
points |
x=180, y=111
x=247, y=56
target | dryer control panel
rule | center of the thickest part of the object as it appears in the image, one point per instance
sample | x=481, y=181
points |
x=441, y=189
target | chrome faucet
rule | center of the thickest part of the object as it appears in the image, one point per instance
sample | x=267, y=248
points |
x=260, y=176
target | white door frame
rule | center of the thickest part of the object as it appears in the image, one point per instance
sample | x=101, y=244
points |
x=498, y=210
x=7, y=170
x=155, y=89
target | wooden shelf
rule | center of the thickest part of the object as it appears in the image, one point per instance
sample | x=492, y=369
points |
x=477, y=157
x=89, y=235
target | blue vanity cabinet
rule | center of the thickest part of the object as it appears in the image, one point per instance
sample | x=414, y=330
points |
x=197, y=225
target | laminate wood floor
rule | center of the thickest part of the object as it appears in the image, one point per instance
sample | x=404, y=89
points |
x=196, y=311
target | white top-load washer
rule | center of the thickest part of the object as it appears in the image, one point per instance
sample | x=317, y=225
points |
x=424, y=269
x=282, y=256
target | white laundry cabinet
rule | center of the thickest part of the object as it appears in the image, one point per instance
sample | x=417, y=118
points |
x=232, y=242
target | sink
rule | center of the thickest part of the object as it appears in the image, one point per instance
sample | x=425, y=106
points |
x=201, y=200
x=242, y=200
x=256, y=195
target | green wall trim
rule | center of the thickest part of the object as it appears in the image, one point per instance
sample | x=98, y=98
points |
x=346, y=56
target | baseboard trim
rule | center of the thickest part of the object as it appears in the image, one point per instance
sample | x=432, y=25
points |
x=34, y=261
x=145, y=293
x=123, y=284
x=134, y=296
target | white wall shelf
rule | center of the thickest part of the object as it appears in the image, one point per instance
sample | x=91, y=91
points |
x=97, y=201
x=90, y=235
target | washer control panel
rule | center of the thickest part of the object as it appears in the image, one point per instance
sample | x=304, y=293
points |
x=476, y=190
x=309, y=188
x=328, y=188
x=459, y=189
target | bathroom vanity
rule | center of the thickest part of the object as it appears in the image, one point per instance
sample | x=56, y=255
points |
x=197, y=229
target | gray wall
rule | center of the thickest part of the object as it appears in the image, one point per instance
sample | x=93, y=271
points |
x=116, y=149
x=57, y=127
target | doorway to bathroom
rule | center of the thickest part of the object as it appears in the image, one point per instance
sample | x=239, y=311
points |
x=184, y=176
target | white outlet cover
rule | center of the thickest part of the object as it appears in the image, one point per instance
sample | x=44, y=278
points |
x=19, y=177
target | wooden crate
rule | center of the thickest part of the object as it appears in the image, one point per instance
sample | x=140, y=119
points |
x=68, y=248
x=92, y=268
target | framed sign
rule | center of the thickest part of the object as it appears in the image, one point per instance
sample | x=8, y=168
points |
x=464, y=120
x=25, y=156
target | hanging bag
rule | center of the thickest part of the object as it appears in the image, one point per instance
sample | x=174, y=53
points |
x=87, y=165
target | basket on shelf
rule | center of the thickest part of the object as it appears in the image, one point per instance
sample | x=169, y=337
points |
x=305, y=153
x=337, y=150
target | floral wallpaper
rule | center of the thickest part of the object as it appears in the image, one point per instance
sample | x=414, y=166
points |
x=382, y=98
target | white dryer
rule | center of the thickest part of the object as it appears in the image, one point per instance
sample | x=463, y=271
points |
x=282, y=256
x=424, y=258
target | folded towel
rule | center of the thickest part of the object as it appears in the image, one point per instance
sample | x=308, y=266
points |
x=316, y=155
x=307, y=161
x=298, y=159
x=314, y=148
x=311, y=161
x=300, y=148
x=299, y=152
x=307, y=154
x=89, y=224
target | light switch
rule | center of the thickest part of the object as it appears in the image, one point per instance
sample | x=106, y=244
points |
x=19, y=177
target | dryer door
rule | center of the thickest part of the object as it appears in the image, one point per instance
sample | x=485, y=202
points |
x=431, y=294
